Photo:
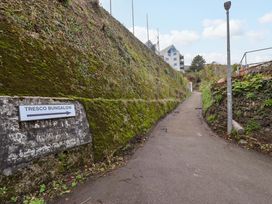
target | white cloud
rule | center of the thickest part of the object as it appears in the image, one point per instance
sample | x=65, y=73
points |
x=256, y=36
x=178, y=38
x=267, y=18
x=214, y=57
x=184, y=37
x=217, y=28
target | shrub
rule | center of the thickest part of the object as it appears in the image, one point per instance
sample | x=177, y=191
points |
x=252, y=126
x=268, y=103
x=250, y=83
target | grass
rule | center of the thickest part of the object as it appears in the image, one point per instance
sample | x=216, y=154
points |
x=207, y=99
x=211, y=118
x=252, y=126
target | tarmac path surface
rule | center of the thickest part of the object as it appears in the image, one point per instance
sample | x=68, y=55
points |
x=183, y=162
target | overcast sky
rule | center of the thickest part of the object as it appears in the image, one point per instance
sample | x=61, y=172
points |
x=198, y=26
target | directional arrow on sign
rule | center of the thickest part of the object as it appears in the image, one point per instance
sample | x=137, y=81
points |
x=48, y=114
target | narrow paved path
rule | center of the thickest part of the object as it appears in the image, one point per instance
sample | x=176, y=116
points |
x=185, y=164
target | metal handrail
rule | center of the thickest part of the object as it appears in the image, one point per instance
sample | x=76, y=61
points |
x=245, y=57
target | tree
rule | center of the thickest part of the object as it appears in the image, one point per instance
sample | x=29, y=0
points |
x=198, y=63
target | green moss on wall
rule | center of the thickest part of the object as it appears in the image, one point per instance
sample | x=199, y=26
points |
x=115, y=122
x=80, y=51
x=47, y=49
x=77, y=50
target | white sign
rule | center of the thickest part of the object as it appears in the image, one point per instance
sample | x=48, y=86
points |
x=44, y=112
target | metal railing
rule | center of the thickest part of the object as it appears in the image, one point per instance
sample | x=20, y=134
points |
x=245, y=58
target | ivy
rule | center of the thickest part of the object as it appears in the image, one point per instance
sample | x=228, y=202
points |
x=268, y=103
x=250, y=83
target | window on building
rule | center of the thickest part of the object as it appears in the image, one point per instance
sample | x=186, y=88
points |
x=175, y=54
x=175, y=64
x=166, y=58
x=175, y=59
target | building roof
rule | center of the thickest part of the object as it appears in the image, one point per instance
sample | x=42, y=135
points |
x=168, y=48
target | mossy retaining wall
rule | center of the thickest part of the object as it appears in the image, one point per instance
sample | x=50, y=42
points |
x=114, y=123
x=52, y=49
x=56, y=50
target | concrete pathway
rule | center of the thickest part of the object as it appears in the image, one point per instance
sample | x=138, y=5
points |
x=184, y=162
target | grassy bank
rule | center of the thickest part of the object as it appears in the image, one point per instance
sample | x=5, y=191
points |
x=251, y=108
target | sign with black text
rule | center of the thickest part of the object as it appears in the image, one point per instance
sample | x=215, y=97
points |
x=45, y=112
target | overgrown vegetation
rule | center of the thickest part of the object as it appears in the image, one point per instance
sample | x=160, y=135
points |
x=252, y=95
x=207, y=99
x=207, y=77
x=252, y=126
x=268, y=103
x=248, y=85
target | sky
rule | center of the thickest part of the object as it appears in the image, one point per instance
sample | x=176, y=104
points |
x=199, y=26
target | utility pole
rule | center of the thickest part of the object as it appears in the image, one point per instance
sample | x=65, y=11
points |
x=227, y=6
x=133, y=24
x=147, y=26
x=159, y=50
x=110, y=8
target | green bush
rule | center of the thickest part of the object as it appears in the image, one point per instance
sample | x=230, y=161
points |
x=249, y=84
x=268, y=103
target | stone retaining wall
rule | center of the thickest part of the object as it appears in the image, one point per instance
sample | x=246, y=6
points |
x=21, y=142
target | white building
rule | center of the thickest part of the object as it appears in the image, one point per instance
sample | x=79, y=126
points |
x=173, y=57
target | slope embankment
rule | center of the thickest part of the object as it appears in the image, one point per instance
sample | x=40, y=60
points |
x=252, y=108
x=76, y=50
